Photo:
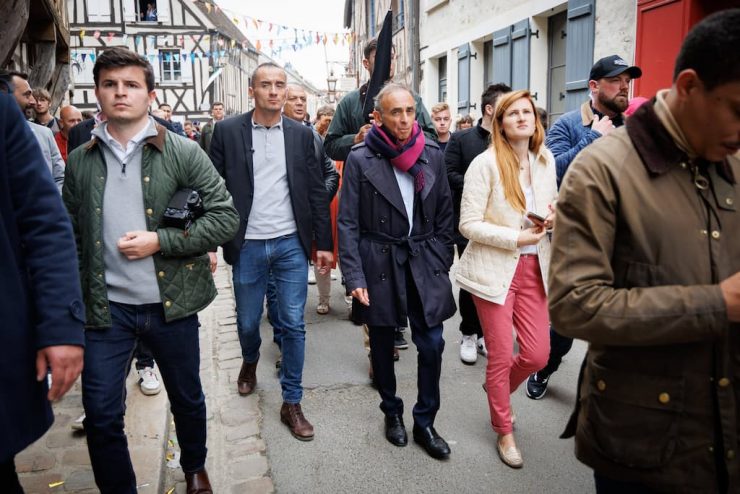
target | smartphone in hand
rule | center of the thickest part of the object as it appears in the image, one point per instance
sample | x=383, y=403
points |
x=536, y=219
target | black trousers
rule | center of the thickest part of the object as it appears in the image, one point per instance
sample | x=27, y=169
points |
x=470, y=324
x=559, y=346
x=429, y=345
x=8, y=478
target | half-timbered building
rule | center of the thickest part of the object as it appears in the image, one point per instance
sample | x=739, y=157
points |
x=34, y=38
x=197, y=53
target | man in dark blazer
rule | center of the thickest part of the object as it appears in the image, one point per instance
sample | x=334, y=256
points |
x=41, y=307
x=271, y=170
x=395, y=247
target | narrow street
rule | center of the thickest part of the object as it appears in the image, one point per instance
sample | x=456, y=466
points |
x=250, y=450
x=350, y=452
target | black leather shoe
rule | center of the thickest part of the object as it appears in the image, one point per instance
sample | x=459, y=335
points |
x=434, y=445
x=395, y=431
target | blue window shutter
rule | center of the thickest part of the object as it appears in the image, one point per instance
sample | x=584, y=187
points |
x=371, y=17
x=463, y=79
x=579, y=51
x=502, y=56
x=520, y=55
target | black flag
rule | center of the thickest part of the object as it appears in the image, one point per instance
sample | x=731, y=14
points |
x=382, y=68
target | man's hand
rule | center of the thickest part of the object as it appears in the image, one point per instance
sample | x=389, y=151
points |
x=66, y=364
x=603, y=126
x=213, y=261
x=138, y=244
x=324, y=260
x=360, y=136
x=731, y=293
x=361, y=295
x=530, y=236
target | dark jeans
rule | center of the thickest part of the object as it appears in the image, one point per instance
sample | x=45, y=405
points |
x=470, y=324
x=429, y=345
x=559, y=346
x=144, y=357
x=9, y=479
x=108, y=354
x=605, y=485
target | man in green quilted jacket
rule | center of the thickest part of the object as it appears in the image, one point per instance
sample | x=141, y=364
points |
x=141, y=280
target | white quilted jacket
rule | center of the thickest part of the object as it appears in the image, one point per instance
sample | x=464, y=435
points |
x=492, y=225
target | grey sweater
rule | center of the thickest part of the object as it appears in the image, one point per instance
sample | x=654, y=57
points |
x=128, y=282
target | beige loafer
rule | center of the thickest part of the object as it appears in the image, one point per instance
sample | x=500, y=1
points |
x=511, y=456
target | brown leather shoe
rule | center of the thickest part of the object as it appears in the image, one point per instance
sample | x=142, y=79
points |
x=292, y=416
x=247, y=381
x=198, y=483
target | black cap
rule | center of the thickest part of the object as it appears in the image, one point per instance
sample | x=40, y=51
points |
x=611, y=66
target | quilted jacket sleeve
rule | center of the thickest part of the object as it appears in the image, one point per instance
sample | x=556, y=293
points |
x=479, y=183
x=220, y=220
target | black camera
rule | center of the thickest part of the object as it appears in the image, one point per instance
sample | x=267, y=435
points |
x=184, y=208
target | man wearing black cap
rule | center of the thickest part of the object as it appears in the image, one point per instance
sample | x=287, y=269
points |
x=609, y=83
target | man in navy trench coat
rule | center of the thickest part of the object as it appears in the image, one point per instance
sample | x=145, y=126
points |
x=395, y=248
x=41, y=304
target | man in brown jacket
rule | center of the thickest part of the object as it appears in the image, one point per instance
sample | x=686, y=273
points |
x=646, y=268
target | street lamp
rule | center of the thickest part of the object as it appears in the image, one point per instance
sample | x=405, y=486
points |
x=331, y=83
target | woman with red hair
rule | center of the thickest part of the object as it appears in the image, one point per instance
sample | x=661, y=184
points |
x=505, y=264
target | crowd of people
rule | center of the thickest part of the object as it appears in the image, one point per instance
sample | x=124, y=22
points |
x=614, y=225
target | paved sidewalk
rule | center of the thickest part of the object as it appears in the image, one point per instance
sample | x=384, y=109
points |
x=237, y=462
x=59, y=461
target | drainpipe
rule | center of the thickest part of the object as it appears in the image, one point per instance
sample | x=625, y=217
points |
x=415, y=45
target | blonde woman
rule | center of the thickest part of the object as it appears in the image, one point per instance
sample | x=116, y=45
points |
x=505, y=264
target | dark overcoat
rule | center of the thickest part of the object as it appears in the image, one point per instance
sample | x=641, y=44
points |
x=41, y=303
x=375, y=248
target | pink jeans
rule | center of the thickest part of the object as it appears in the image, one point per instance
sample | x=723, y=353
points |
x=525, y=309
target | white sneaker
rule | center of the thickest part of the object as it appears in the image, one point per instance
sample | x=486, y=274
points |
x=78, y=425
x=311, y=276
x=468, y=353
x=148, y=381
x=482, y=347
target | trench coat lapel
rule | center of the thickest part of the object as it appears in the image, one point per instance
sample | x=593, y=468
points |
x=381, y=175
x=429, y=178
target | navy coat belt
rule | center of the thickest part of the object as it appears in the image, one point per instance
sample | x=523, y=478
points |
x=409, y=245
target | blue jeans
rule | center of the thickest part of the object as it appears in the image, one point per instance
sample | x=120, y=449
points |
x=285, y=259
x=272, y=310
x=108, y=354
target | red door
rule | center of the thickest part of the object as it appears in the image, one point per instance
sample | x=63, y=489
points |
x=661, y=27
